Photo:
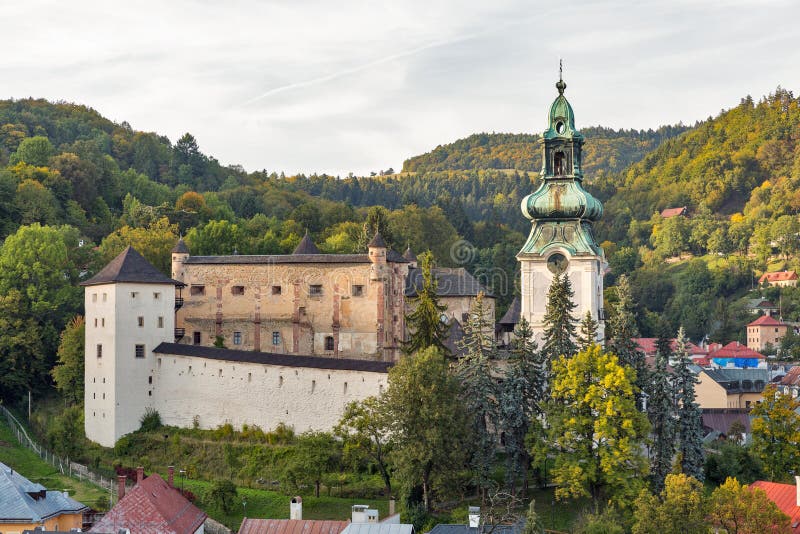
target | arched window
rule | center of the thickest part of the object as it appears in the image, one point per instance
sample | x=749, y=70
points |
x=558, y=164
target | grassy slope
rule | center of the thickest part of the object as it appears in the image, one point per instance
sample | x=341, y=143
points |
x=28, y=463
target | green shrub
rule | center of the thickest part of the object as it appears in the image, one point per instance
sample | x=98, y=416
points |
x=150, y=420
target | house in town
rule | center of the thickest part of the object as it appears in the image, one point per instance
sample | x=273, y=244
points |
x=779, y=279
x=681, y=211
x=730, y=388
x=786, y=497
x=735, y=355
x=765, y=333
x=761, y=306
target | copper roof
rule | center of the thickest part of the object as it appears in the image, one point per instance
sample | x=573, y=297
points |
x=291, y=526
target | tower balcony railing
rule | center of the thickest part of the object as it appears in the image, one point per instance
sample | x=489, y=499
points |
x=179, y=333
x=178, y=303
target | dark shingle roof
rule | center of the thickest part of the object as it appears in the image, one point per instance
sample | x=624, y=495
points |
x=377, y=241
x=451, y=283
x=391, y=256
x=740, y=380
x=130, y=266
x=511, y=316
x=409, y=255
x=180, y=247
x=306, y=246
x=270, y=358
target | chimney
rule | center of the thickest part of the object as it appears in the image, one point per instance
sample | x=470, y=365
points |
x=121, y=486
x=296, y=508
x=474, y=516
x=139, y=474
x=171, y=476
x=797, y=490
x=391, y=506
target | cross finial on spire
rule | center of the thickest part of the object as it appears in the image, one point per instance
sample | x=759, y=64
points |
x=561, y=85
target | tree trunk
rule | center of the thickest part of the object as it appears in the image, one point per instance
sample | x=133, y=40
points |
x=316, y=488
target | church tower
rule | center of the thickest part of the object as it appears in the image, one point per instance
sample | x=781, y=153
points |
x=561, y=213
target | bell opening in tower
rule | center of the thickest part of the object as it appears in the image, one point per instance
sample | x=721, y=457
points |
x=558, y=164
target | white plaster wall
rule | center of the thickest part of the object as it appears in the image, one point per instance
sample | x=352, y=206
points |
x=239, y=393
x=99, y=412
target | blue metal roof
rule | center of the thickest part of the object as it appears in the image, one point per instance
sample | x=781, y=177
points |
x=27, y=502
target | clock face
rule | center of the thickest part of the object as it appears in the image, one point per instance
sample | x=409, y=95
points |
x=557, y=263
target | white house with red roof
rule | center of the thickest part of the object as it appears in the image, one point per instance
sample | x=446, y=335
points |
x=786, y=497
x=779, y=279
x=647, y=345
x=765, y=332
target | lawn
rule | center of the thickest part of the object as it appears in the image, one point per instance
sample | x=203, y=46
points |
x=29, y=465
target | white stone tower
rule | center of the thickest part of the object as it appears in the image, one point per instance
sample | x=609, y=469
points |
x=562, y=213
x=130, y=310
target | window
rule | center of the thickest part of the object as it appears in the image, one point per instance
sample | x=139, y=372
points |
x=134, y=294
x=301, y=310
x=357, y=291
x=237, y=338
x=99, y=350
x=160, y=321
x=105, y=297
x=102, y=321
x=237, y=290
x=315, y=290
x=140, y=321
x=94, y=297
x=276, y=338
x=558, y=164
x=328, y=342
x=196, y=338
x=276, y=290
x=156, y=295
x=139, y=352
x=197, y=290
x=95, y=322
x=150, y=379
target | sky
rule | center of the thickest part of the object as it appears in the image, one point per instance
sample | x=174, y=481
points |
x=359, y=86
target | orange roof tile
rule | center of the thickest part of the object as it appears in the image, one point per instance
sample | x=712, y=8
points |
x=672, y=212
x=778, y=276
x=766, y=320
x=785, y=498
x=734, y=349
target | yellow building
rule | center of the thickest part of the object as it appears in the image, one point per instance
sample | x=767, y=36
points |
x=730, y=388
x=25, y=505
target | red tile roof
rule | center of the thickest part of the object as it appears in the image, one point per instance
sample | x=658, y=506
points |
x=152, y=507
x=702, y=362
x=766, y=320
x=778, y=276
x=648, y=346
x=791, y=378
x=785, y=498
x=291, y=526
x=734, y=349
x=672, y=212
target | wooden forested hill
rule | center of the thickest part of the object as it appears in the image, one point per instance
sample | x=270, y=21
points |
x=744, y=161
x=606, y=151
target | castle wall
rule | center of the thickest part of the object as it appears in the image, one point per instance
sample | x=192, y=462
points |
x=218, y=392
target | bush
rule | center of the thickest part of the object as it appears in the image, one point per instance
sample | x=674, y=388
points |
x=222, y=495
x=150, y=420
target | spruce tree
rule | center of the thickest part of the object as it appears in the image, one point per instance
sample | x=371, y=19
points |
x=660, y=413
x=587, y=331
x=520, y=400
x=479, y=394
x=622, y=341
x=425, y=320
x=559, y=323
x=690, y=421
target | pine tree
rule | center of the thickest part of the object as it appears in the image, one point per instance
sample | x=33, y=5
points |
x=559, y=323
x=478, y=392
x=660, y=413
x=690, y=423
x=587, y=331
x=425, y=321
x=520, y=399
x=622, y=326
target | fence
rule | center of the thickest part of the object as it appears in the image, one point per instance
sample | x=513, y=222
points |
x=65, y=467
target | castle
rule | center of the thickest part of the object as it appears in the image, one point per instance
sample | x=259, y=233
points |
x=293, y=338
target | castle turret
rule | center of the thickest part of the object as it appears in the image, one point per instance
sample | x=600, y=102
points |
x=410, y=257
x=179, y=254
x=562, y=212
x=377, y=255
x=129, y=312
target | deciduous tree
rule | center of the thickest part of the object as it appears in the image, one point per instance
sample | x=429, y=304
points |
x=776, y=433
x=741, y=509
x=680, y=508
x=68, y=374
x=363, y=429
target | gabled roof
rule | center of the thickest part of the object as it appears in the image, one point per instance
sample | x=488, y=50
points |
x=269, y=358
x=377, y=241
x=443, y=528
x=511, y=317
x=23, y=501
x=785, y=498
x=722, y=419
x=648, y=346
x=672, y=212
x=792, y=378
x=306, y=246
x=152, y=507
x=761, y=304
x=130, y=266
x=779, y=276
x=451, y=283
x=734, y=349
x=291, y=526
x=767, y=320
